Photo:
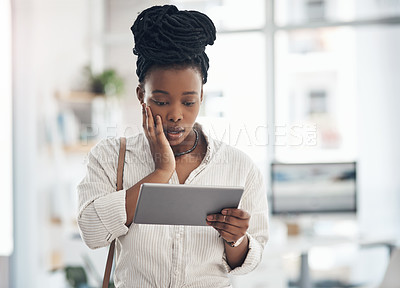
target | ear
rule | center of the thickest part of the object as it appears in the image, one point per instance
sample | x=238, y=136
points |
x=201, y=95
x=140, y=93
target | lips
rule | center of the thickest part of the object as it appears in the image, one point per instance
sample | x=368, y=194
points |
x=175, y=129
x=174, y=133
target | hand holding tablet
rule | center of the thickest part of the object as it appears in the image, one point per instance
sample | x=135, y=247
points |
x=231, y=224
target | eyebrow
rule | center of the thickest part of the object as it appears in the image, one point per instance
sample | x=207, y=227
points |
x=166, y=93
x=159, y=91
x=190, y=93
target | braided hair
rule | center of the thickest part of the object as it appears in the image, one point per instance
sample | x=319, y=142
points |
x=167, y=37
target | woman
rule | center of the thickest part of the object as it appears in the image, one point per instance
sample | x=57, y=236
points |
x=172, y=68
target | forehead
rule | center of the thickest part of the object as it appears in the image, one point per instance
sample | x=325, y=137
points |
x=174, y=80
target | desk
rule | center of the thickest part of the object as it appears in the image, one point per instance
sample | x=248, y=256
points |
x=303, y=244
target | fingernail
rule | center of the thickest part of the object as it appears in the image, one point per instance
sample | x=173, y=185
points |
x=209, y=217
x=224, y=212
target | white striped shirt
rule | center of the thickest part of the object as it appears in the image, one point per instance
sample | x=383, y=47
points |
x=168, y=255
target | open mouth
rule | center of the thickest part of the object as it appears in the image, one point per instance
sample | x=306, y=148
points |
x=174, y=133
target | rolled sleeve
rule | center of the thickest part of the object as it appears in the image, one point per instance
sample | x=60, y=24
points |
x=112, y=213
x=253, y=258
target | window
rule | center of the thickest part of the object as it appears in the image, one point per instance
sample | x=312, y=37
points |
x=315, y=94
x=320, y=71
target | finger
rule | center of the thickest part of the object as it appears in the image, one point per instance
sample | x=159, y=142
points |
x=161, y=139
x=226, y=219
x=159, y=126
x=229, y=237
x=227, y=228
x=150, y=122
x=144, y=116
x=234, y=212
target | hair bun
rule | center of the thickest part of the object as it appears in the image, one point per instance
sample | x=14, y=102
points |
x=165, y=32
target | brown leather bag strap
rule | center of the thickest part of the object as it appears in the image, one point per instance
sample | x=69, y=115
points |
x=120, y=174
x=121, y=161
x=107, y=271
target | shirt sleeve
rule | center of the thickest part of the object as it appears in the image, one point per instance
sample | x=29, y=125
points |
x=254, y=201
x=102, y=215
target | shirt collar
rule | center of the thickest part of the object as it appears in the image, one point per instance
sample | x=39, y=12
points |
x=209, y=140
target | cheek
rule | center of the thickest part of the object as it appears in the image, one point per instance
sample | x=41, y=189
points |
x=195, y=112
x=194, y=115
x=155, y=110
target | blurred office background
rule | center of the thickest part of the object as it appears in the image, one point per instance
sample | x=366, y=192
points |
x=305, y=81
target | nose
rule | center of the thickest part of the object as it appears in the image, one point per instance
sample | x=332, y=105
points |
x=174, y=114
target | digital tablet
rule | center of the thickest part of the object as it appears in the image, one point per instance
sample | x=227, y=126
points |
x=169, y=204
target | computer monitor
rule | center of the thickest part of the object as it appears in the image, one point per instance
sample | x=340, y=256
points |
x=309, y=188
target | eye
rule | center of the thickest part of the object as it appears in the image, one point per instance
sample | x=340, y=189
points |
x=159, y=103
x=189, y=103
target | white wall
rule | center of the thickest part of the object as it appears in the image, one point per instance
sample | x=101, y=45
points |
x=378, y=62
x=378, y=73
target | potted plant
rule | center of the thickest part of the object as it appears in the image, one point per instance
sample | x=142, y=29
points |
x=107, y=83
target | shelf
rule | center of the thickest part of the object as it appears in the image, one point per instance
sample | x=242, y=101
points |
x=79, y=147
x=78, y=97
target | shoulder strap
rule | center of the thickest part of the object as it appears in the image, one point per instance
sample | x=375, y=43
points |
x=121, y=162
x=120, y=174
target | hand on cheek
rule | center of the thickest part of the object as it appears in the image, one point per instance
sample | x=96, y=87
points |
x=161, y=151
